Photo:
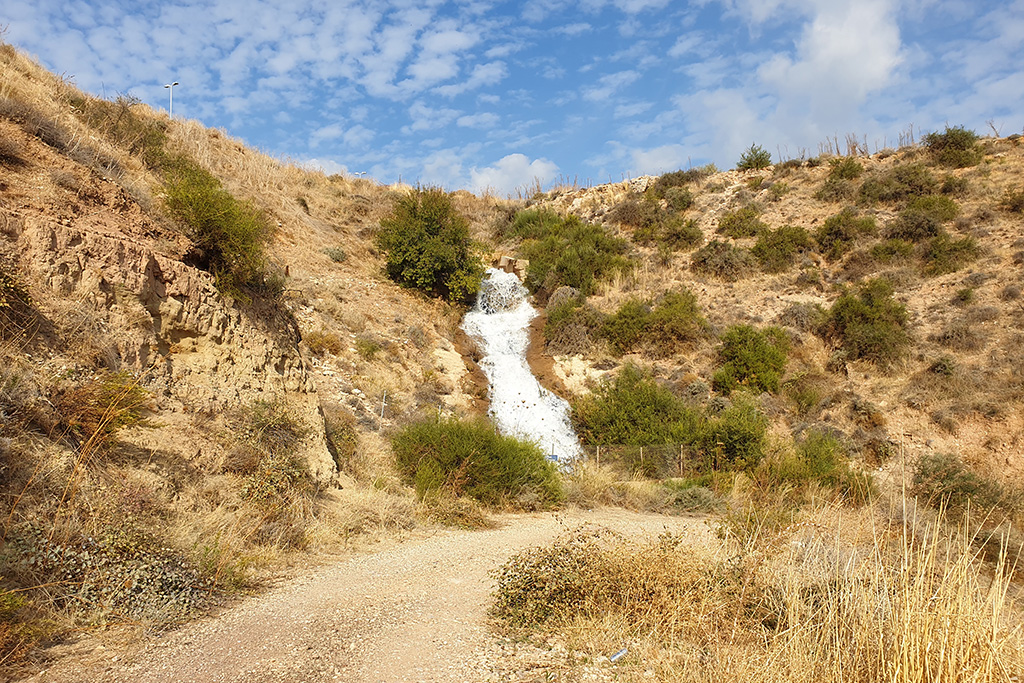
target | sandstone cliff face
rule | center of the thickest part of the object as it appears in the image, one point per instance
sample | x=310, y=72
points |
x=197, y=350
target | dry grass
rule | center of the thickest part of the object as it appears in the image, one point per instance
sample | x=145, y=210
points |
x=842, y=596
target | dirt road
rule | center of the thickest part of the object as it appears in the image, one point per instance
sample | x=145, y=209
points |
x=415, y=611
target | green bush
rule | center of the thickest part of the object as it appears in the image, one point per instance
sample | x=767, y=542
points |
x=943, y=480
x=835, y=190
x=839, y=232
x=845, y=168
x=755, y=158
x=633, y=409
x=471, y=459
x=678, y=199
x=678, y=234
x=625, y=328
x=674, y=322
x=953, y=185
x=680, y=178
x=119, y=122
x=723, y=260
x=869, y=324
x=923, y=218
x=229, y=236
x=571, y=327
x=898, y=184
x=427, y=246
x=955, y=147
x=751, y=358
x=743, y=222
x=892, y=250
x=943, y=254
x=567, y=251
x=777, y=249
x=820, y=457
x=735, y=438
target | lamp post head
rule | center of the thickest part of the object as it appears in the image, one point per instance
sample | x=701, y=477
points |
x=171, y=85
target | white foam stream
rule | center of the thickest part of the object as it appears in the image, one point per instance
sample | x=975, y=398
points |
x=520, y=406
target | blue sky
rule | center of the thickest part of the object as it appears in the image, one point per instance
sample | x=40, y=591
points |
x=496, y=95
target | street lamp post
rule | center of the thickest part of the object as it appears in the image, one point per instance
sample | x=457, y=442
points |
x=170, y=93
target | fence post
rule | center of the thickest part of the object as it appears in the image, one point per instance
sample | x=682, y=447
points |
x=599, y=456
x=641, y=458
x=680, y=460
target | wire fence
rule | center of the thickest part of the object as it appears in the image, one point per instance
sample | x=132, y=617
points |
x=655, y=462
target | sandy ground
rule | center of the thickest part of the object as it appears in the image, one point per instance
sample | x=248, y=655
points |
x=415, y=611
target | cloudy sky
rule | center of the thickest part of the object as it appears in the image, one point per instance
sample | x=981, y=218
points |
x=481, y=94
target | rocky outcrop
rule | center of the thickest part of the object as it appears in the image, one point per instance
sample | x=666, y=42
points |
x=199, y=350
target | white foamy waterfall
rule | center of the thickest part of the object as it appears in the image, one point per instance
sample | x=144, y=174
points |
x=520, y=406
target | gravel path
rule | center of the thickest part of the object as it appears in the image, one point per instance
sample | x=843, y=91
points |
x=415, y=611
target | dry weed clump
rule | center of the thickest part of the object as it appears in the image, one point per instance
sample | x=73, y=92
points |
x=841, y=596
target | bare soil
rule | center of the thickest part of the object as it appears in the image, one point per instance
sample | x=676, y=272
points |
x=413, y=611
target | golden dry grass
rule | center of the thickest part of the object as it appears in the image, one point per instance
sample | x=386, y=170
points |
x=866, y=595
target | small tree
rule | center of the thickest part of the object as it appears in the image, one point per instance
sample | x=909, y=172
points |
x=427, y=246
x=755, y=158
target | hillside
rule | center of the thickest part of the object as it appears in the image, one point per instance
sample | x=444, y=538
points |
x=190, y=405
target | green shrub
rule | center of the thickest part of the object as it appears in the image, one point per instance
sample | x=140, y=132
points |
x=633, y=409
x=625, y=328
x=743, y=222
x=869, y=324
x=119, y=122
x=678, y=199
x=777, y=249
x=229, y=236
x=674, y=322
x=845, y=168
x=336, y=254
x=839, y=232
x=835, y=190
x=755, y=158
x=954, y=185
x=943, y=480
x=571, y=327
x=723, y=260
x=955, y=147
x=923, y=218
x=567, y=251
x=820, y=457
x=943, y=254
x=735, y=438
x=892, y=250
x=777, y=191
x=678, y=234
x=471, y=459
x=751, y=358
x=427, y=246
x=898, y=184
x=635, y=213
x=679, y=179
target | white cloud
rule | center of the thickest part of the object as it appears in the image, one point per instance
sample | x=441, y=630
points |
x=575, y=29
x=482, y=120
x=659, y=159
x=328, y=166
x=844, y=53
x=609, y=85
x=429, y=118
x=631, y=109
x=490, y=73
x=512, y=172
